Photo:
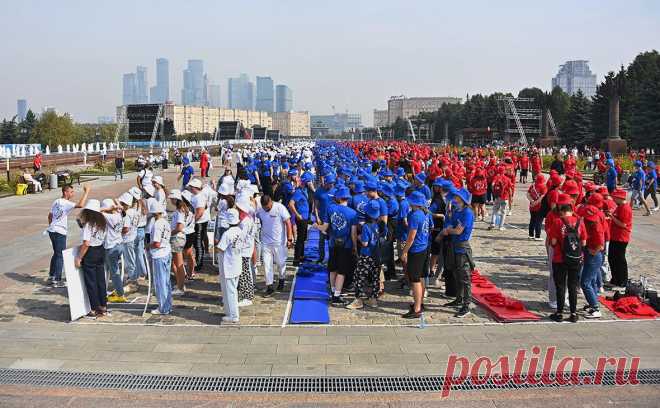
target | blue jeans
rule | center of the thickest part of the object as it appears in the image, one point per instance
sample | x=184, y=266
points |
x=589, y=279
x=138, y=249
x=112, y=267
x=57, y=261
x=129, y=260
x=162, y=283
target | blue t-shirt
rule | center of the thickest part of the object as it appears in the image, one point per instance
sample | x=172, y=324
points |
x=424, y=189
x=466, y=218
x=187, y=172
x=401, y=230
x=392, y=207
x=653, y=177
x=638, y=180
x=301, y=201
x=370, y=236
x=287, y=192
x=418, y=220
x=611, y=178
x=360, y=204
x=383, y=206
x=342, y=219
x=321, y=195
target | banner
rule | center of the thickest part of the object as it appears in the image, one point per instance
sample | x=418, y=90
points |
x=75, y=285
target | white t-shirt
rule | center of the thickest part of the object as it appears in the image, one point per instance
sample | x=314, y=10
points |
x=178, y=217
x=211, y=196
x=199, y=201
x=231, y=258
x=131, y=221
x=160, y=232
x=145, y=176
x=142, y=218
x=94, y=236
x=221, y=218
x=113, y=237
x=249, y=233
x=273, y=231
x=160, y=196
x=190, y=223
x=60, y=211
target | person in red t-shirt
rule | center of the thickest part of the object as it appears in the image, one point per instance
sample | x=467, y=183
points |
x=477, y=187
x=510, y=172
x=524, y=168
x=566, y=270
x=619, y=237
x=535, y=194
x=501, y=192
x=593, y=257
x=536, y=164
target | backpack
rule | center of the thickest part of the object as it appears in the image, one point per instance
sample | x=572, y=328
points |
x=571, y=246
x=498, y=187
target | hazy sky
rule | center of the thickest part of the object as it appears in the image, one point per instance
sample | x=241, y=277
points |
x=351, y=54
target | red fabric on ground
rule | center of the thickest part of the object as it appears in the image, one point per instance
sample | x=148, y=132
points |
x=627, y=309
x=501, y=307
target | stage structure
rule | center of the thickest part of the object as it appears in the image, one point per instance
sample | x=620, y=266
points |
x=143, y=122
x=273, y=134
x=523, y=118
x=228, y=130
x=259, y=132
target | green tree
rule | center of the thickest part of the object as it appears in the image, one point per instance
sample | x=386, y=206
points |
x=642, y=100
x=53, y=129
x=26, y=127
x=578, y=130
x=8, y=131
x=559, y=104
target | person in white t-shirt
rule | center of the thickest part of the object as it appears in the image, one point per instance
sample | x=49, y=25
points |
x=131, y=218
x=139, y=204
x=113, y=248
x=144, y=177
x=181, y=216
x=90, y=257
x=202, y=218
x=230, y=264
x=58, y=227
x=189, y=230
x=276, y=237
x=161, y=192
x=161, y=255
x=248, y=250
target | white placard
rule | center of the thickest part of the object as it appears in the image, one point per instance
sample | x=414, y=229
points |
x=75, y=285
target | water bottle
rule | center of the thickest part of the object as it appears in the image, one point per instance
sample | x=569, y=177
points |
x=422, y=321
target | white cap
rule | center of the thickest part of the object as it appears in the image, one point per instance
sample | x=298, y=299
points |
x=232, y=216
x=157, y=180
x=107, y=204
x=126, y=198
x=155, y=207
x=196, y=183
x=135, y=192
x=186, y=195
x=175, y=194
x=243, y=203
x=93, y=205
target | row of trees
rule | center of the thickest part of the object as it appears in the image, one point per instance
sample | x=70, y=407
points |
x=580, y=121
x=53, y=129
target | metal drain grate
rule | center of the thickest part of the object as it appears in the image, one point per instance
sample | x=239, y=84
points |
x=274, y=384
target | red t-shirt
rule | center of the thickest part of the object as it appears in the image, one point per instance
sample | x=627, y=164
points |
x=595, y=235
x=536, y=191
x=558, y=230
x=505, y=186
x=624, y=214
x=478, y=186
x=536, y=164
x=524, y=163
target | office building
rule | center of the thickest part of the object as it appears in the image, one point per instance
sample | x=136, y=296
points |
x=574, y=76
x=380, y=117
x=129, y=89
x=213, y=95
x=194, y=87
x=240, y=93
x=160, y=93
x=265, y=94
x=404, y=108
x=337, y=123
x=292, y=124
x=21, y=109
x=283, y=99
x=141, y=85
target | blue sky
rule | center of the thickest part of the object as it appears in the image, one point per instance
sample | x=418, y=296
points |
x=350, y=54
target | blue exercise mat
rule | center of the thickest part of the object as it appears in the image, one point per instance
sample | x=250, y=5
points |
x=310, y=311
x=311, y=294
x=306, y=283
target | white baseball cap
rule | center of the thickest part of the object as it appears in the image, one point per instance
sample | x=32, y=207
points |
x=175, y=194
x=107, y=204
x=158, y=180
x=196, y=183
x=126, y=198
x=135, y=192
x=243, y=203
x=93, y=205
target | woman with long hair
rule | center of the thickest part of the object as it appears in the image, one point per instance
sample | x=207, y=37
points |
x=181, y=216
x=91, y=257
x=129, y=234
x=113, y=249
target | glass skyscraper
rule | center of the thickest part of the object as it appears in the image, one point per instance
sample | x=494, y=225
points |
x=265, y=94
x=240, y=93
x=194, y=85
x=129, y=89
x=283, y=99
x=21, y=109
x=141, y=85
x=574, y=76
x=161, y=92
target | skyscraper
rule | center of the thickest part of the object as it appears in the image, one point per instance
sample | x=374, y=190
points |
x=141, y=85
x=283, y=99
x=194, y=91
x=129, y=89
x=213, y=95
x=161, y=92
x=240, y=93
x=21, y=109
x=574, y=76
x=265, y=94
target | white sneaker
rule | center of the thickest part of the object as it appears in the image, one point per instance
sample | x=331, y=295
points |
x=178, y=292
x=227, y=319
x=157, y=312
x=426, y=293
x=553, y=305
x=654, y=209
x=509, y=213
x=502, y=229
x=538, y=239
x=245, y=302
x=593, y=314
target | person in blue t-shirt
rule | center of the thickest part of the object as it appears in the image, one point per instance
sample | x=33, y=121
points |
x=610, y=176
x=459, y=229
x=321, y=203
x=419, y=182
x=300, y=210
x=360, y=200
x=186, y=174
x=372, y=194
x=401, y=229
x=367, y=272
x=637, y=184
x=387, y=193
x=415, y=251
x=342, y=228
x=651, y=184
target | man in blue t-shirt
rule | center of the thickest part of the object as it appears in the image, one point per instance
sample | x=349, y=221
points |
x=300, y=209
x=321, y=204
x=459, y=229
x=187, y=172
x=637, y=184
x=415, y=251
x=651, y=184
x=610, y=176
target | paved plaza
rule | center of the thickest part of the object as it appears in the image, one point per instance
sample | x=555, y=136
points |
x=35, y=332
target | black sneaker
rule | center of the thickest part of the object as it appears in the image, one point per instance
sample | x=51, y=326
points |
x=586, y=308
x=574, y=318
x=453, y=303
x=269, y=291
x=411, y=314
x=337, y=301
x=556, y=317
x=464, y=311
x=296, y=263
x=280, y=285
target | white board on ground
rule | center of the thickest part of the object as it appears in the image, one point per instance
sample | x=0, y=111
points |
x=75, y=285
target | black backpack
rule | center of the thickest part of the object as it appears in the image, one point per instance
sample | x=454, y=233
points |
x=572, y=246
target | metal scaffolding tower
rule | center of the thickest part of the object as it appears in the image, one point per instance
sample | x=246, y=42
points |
x=523, y=117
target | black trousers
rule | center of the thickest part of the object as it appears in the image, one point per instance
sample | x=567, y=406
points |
x=566, y=277
x=301, y=232
x=618, y=264
x=388, y=260
x=651, y=191
x=535, y=223
x=463, y=280
x=94, y=276
x=201, y=242
x=448, y=271
x=322, y=239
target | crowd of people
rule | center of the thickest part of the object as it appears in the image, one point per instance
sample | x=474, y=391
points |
x=377, y=205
